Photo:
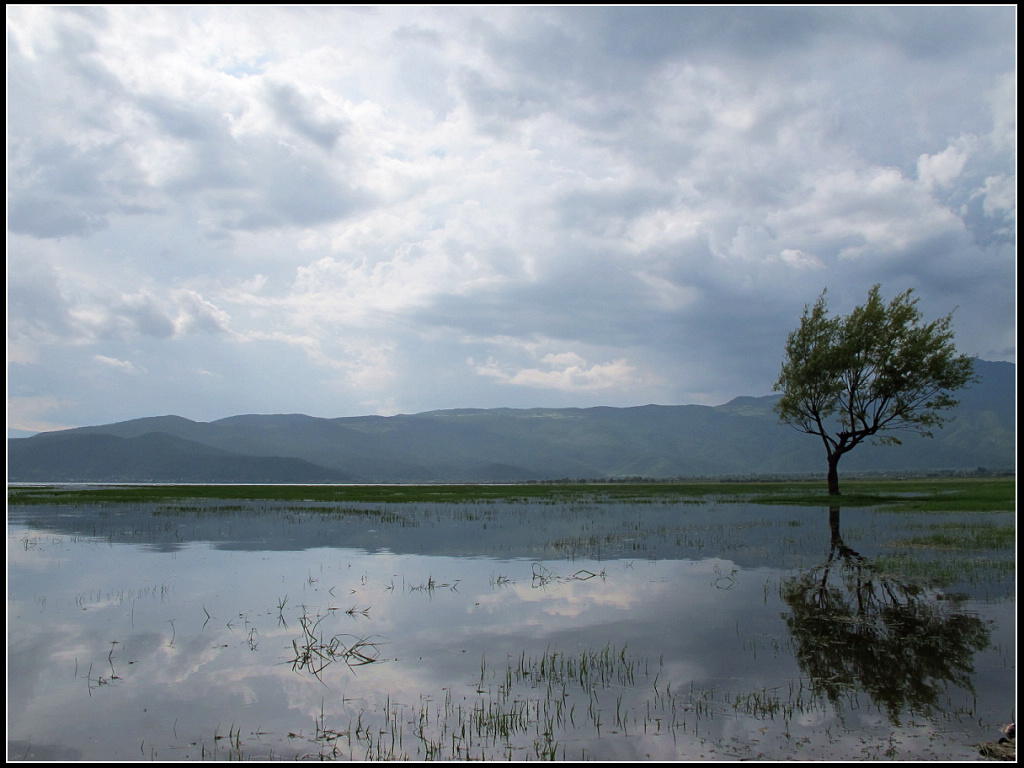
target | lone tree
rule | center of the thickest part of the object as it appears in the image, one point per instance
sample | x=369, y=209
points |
x=847, y=379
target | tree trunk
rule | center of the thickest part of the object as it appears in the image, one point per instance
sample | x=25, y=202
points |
x=833, y=474
x=833, y=524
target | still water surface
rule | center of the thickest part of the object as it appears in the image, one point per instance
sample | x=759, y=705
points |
x=499, y=630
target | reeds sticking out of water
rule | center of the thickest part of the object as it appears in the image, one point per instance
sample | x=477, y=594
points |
x=314, y=651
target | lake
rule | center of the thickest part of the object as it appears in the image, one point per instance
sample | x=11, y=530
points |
x=569, y=630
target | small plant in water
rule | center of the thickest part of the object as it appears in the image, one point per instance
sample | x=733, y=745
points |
x=315, y=652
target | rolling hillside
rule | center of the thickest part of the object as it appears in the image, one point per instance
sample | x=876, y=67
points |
x=742, y=437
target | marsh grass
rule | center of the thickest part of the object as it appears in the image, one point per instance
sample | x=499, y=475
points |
x=964, y=536
x=950, y=552
x=522, y=709
x=519, y=712
x=948, y=568
x=547, y=705
x=940, y=494
x=587, y=669
x=315, y=651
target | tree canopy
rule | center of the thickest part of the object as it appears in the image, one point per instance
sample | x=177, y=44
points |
x=878, y=370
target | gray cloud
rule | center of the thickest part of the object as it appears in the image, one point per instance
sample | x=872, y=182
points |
x=43, y=217
x=140, y=313
x=335, y=210
x=300, y=114
x=36, y=309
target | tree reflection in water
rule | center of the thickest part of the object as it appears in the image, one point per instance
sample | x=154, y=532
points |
x=856, y=629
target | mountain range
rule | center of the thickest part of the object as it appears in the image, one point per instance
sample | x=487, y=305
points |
x=740, y=438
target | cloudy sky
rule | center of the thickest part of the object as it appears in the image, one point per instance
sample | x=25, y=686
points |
x=344, y=211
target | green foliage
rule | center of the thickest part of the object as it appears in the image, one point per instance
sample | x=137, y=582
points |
x=878, y=370
x=948, y=495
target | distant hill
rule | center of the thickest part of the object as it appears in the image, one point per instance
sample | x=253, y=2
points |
x=742, y=437
x=150, y=457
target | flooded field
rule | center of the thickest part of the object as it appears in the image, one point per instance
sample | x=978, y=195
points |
x=532, y=629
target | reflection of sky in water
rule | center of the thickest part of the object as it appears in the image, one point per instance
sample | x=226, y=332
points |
x=135, y=651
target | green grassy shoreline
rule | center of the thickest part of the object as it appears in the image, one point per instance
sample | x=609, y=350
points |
x=960, y=494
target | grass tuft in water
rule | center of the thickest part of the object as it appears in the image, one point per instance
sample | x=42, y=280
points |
x=314, y=651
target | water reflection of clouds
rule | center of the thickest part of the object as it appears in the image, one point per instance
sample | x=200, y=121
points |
x=204, y=638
